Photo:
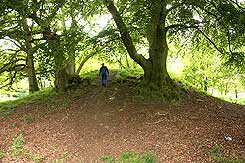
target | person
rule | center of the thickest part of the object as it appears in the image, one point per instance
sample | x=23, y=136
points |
x=103, y=72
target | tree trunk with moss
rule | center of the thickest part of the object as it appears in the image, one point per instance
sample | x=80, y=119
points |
x=61, y=75
x=33, y=85
x=61, y=79
x=156, y=78
x=157, y=81
x=65, y=76
x=70, y=65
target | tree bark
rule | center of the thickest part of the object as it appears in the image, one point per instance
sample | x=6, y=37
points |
x=33, y=85
x=61, y=75
x=205, y=84
x=126, y=38
x=236, y=93
x=61, y=79
x=83, y=62
x=70, y=65
x=156, y=78
x=64, y=68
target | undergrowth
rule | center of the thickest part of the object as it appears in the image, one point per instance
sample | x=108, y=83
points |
x=28, y=119
x=36, y=158
x=90, y=75
x=42, y=96
x=18, y=149
x=2, y=154
x=129, y=157
x=218, y=157
x=122, y=74
x=18, y=145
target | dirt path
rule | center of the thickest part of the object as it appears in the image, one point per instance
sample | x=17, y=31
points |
x=94, y=121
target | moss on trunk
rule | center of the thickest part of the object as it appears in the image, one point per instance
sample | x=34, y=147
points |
x=156, y=78
x=157, y=83
x=32, y=79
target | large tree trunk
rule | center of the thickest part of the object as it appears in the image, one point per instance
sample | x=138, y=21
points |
x=65, y=80
x=33, y=85
x=61, y=75
x=65, y=76
x=70, y=65
x=156, y=78
x=61, y=80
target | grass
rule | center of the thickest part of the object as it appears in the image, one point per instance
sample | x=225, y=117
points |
x=36, y=158
x=2, y=154
x=122, y=74
x=55, y=104
x=18, y=145
x=42, y=96
x=18, y=148
x=63, y=158
x=240, y=101
x=129, y=157
x=28, y=119
x=218, y=157
x=90, y=75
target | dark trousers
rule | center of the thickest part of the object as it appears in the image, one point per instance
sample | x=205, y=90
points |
x=104, y=79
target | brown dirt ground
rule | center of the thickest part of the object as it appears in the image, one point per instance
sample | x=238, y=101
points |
x=93, y=121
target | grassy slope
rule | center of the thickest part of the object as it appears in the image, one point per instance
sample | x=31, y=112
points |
x=52, y=98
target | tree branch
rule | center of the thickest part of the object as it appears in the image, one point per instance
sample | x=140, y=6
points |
x=13, y=50
x=195, y=25
x=175, y=6
x=59, y=3
x=210, y=41
x=236, y=3
x=203, y=9
x=84, y=61
x=226, y=27
x=15, y=42
x=91, y=55
x=126, y=38
x=7, y=66
x=34, y=17
x=11, y=80
x=38, y=39
x=44, y=22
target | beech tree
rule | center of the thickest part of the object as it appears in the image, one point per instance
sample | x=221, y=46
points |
x=15, y=28
x=157, y=21
x=149, y=23
x=41, y=35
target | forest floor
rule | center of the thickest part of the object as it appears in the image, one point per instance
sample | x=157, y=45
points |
x=92, y=121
